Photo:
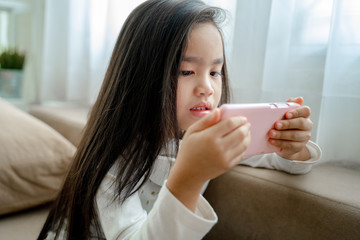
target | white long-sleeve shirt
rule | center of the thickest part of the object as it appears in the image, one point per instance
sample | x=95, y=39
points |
x=154, y=213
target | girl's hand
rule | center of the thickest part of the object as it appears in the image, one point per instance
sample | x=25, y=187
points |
x=209, y=148
x=292, y=133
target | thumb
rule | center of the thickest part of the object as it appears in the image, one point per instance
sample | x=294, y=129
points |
x=298, y=100
x=206, y=121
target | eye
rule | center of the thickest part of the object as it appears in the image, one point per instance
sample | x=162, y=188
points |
x=186, y=73
x=215, y=74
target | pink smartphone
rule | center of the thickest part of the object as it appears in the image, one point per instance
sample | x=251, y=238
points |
x=262, y=117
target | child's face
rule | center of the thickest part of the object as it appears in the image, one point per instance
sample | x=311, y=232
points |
x=199, y=81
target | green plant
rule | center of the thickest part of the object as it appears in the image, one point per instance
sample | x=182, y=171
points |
x=12, y=59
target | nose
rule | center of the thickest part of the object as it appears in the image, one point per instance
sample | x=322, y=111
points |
x=203, y=87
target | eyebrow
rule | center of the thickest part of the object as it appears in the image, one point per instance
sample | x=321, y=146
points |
x=216, y=61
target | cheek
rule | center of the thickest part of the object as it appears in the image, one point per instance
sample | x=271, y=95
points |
x=179, y=97
x=218, y=92
x=183, y=92
x=180, y=100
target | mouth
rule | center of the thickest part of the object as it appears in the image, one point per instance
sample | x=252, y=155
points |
x=201, y=110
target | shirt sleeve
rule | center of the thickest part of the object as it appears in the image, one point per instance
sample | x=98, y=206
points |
x=274, y=161
x=168, y=219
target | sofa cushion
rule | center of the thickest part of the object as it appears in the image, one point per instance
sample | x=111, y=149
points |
x=69, y=121
x=34, y=159
x=254, y=203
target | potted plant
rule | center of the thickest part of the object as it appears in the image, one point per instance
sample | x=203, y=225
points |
x=11, y=73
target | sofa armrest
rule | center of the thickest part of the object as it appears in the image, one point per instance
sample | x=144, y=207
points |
x=267, y=204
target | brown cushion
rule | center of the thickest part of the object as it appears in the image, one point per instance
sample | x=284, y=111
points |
x=34, y=159
x=254, y=203
x=69, y=121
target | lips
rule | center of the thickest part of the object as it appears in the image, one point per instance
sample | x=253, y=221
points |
x=200, y=110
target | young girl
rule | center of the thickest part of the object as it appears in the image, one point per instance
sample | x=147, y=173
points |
x=167, y=75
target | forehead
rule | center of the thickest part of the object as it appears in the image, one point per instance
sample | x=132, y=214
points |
x=204, y=43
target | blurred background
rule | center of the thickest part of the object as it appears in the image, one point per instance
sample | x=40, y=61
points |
x=276, y=49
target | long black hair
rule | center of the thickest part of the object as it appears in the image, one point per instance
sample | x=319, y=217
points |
x=134, y=115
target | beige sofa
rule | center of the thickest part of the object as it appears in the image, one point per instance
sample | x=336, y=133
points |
x=250, y=203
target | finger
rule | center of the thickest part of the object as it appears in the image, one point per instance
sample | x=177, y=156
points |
x=303, y=111
x=228, y=125
x=205, y=122
x=295, y=123
x=287, y=145
x=237, y=152
x=237, y=136
x=299, y=100
x=292, y=135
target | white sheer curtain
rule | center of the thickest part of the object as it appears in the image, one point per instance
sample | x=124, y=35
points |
x=308, y=48
x=339, y=125
x=276, y=49
x=78, y=40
